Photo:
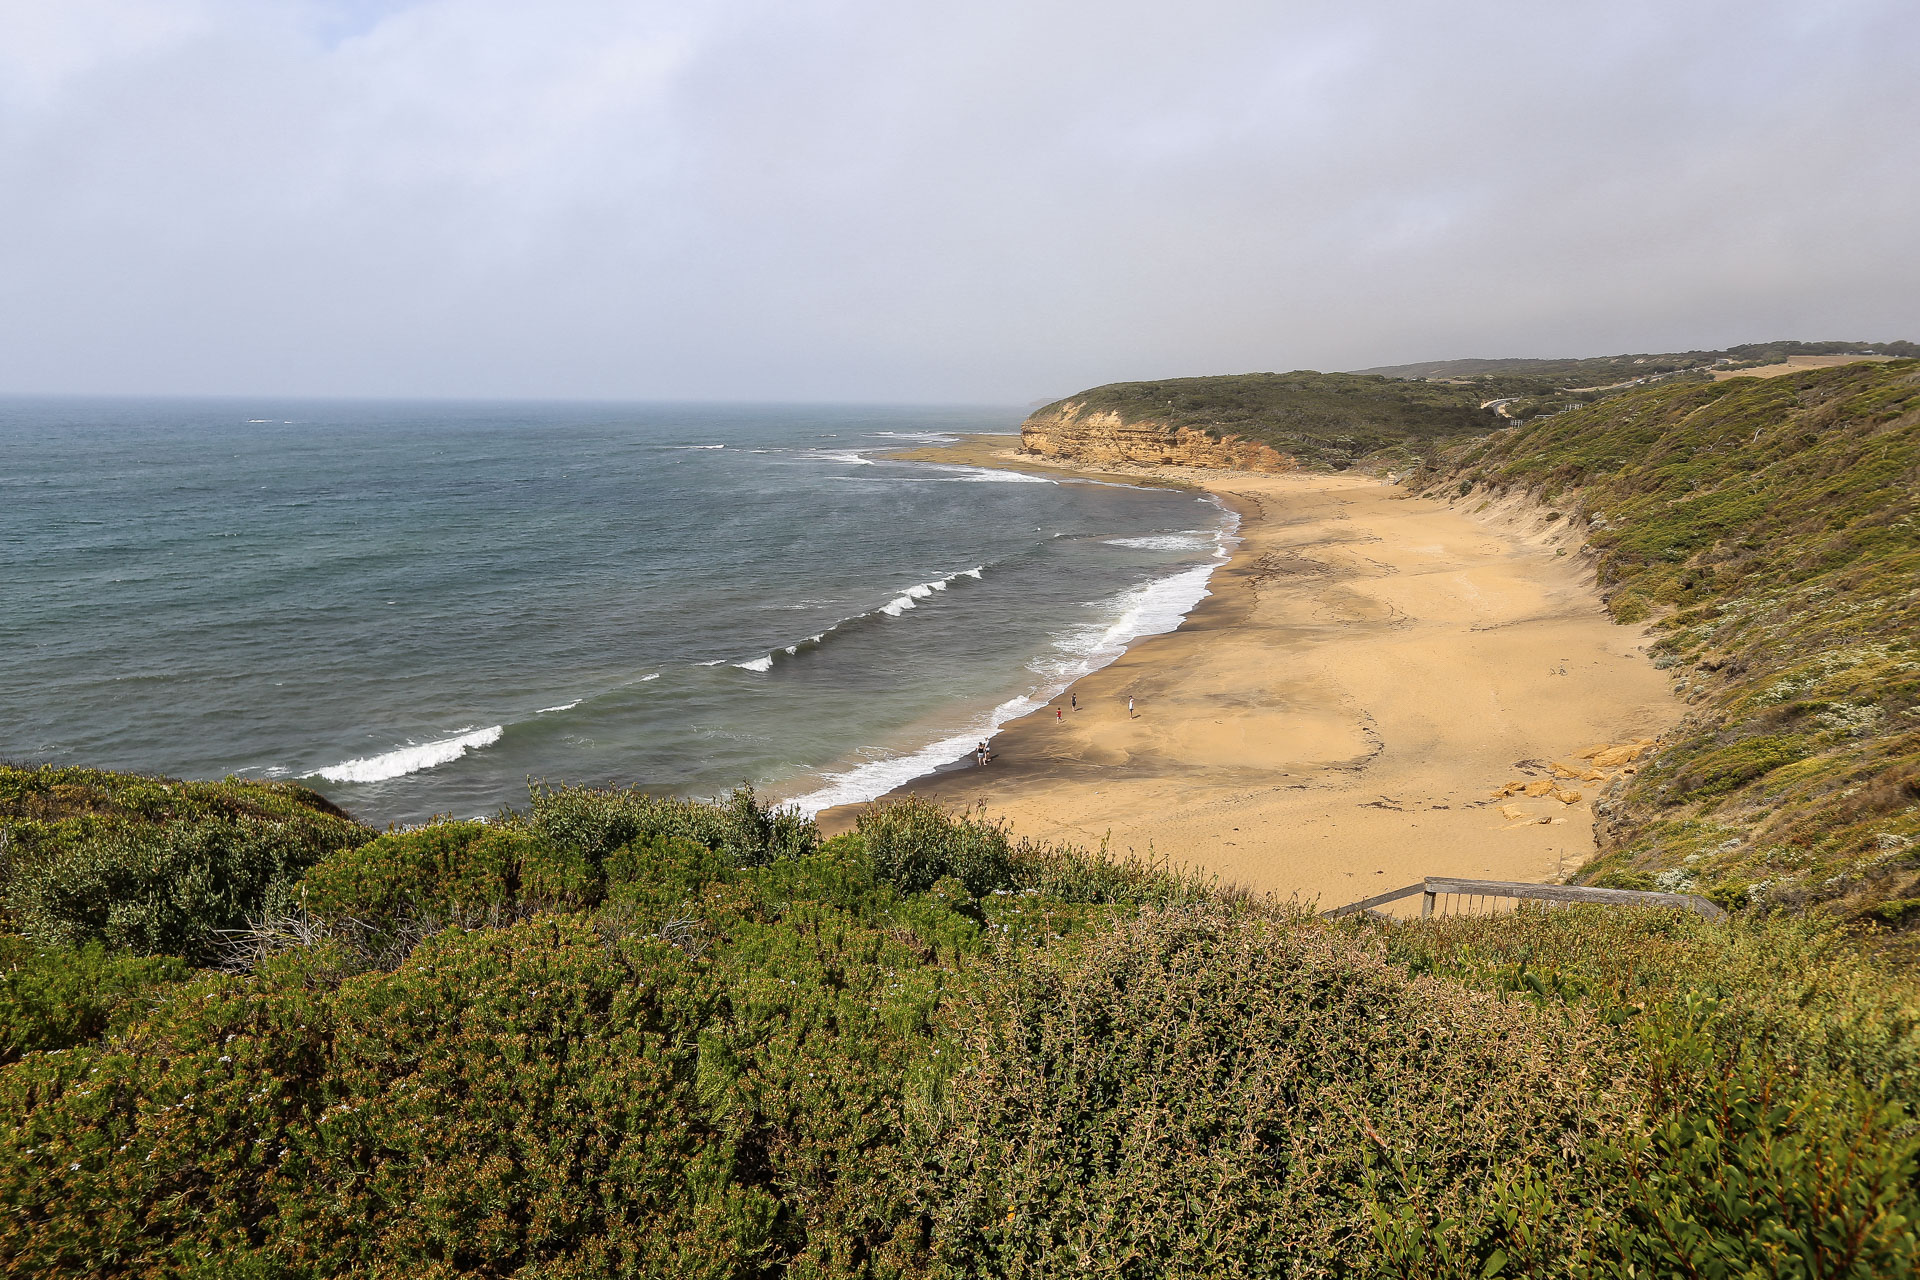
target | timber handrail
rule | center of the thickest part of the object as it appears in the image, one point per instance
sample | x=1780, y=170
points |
x=1433, y=886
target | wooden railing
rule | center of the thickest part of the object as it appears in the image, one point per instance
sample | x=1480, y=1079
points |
x=1433, y=887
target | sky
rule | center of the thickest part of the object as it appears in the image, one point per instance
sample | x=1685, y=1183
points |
x=970, y=201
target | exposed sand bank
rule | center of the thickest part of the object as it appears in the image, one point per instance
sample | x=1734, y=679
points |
x=1337, y=718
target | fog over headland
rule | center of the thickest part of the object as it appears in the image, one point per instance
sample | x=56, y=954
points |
x=979, y=201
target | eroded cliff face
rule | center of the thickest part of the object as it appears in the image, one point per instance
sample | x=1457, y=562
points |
x=1068, y=432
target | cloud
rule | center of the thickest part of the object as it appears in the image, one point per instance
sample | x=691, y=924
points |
x=992, y=201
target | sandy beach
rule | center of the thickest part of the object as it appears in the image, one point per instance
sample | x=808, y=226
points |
x=1340, y=716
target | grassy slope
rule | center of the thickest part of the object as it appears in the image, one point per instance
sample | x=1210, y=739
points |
x=1324, y=419
x=1599, y=370
x=615, y=1035
x=1773, y=529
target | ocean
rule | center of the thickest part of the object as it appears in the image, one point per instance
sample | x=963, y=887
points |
x=416, y=608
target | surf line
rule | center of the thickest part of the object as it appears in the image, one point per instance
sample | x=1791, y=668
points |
x=908, y=599
x=413, y=758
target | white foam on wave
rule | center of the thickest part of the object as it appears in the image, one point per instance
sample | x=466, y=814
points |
x=684, y=447
x=757, y=664
x=412, y=758
x=874, y=778
x=1152, y=608
x=843, y=455
x=910, y=598
x=654, y=676
x=565, y=706
x=919, y=437
x=991, y=475
x=1198, y=540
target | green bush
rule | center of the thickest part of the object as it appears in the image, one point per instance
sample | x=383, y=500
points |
x=664, y=870
x=914, y=842
x=171, y=887
x=447, y=870
x=671, y=1057
x=59, y=997
x=566, y=1095
x=595, y=822
x=1204, y=1092
x=1745, y=1170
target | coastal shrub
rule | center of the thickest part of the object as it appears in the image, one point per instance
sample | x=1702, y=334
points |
x=1206, y=1091
x=1742, y=1169
x=171, y=887
x=800, y=1068
x=447, y=870
x=50, y=815
x=1799, y=989
x=664, y=870
x=51, y=794
x=563, y=1096
x=913, y=842
x=594, y=822
x=1732, y=1166
x=58, y=997
x=1066, y=874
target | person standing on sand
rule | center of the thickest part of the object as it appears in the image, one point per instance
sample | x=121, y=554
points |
x=1058, y=714
x=1074, y=698
x=1129, y=706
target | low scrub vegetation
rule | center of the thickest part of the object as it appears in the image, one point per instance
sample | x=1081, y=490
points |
x=614, y=1035
x=1770, y=531
x=1321, y=419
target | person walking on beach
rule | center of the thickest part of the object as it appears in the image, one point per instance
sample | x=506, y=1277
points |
x=1074, y=698
x=1130, y=706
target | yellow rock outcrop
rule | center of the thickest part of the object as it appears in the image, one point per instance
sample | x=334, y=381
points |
x=1068, y=431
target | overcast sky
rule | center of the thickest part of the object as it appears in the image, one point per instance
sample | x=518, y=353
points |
x=961, y=201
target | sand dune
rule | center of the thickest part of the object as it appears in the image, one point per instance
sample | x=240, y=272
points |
x=1347, y=711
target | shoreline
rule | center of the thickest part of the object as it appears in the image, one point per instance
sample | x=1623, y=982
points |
x=1336, y=716
x=977, y=451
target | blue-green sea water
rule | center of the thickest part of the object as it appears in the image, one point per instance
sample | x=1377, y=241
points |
x=416, y=607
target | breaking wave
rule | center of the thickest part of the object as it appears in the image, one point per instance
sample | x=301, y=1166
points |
x=908, y=599
x=1152, y=608
x=412, y=758
x=1197, y=540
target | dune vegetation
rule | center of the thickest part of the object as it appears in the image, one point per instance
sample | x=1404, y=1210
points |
x=1770, y=529
x=612, y=1034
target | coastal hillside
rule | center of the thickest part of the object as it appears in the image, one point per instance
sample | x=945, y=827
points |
x=1593, y=371
x=609, y=1034
x=1390, y=417
x=1770, y=529
x=1256, y=421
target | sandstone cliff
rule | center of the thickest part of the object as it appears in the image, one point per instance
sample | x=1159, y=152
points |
x=1069, y=430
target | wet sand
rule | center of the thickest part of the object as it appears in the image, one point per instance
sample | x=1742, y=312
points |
x=1337, y=718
